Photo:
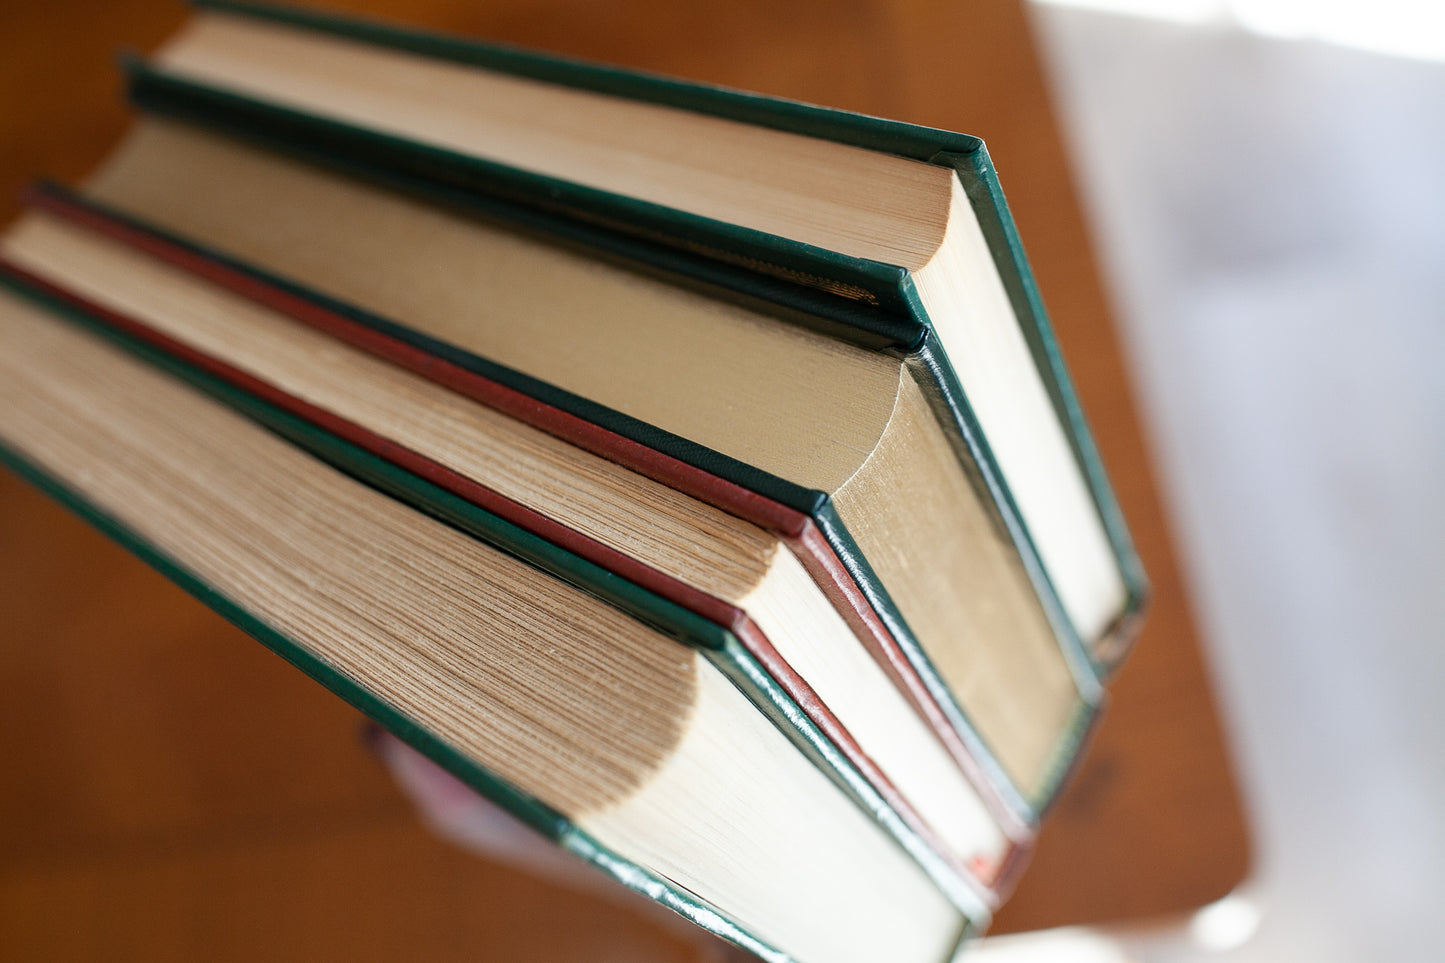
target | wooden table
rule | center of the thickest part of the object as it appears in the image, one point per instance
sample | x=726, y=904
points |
x=171, y=789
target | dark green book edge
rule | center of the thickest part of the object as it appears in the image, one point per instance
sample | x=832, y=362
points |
x=885, y=305
x=814, y=503
x=716, y=643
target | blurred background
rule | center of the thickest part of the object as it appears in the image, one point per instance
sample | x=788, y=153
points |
x=1237, y=216
x=1263, y=183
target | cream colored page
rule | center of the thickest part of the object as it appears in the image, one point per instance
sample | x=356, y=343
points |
x=963, y=592
x=862, y=202
x=548, y=687
x=681, y=536
x=708, y=371
x=901, y=917
x=877, y=714
x=975, y=321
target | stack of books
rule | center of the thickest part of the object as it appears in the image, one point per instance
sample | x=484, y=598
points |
x=691, y=472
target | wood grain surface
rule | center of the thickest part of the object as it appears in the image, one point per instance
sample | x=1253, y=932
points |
x=171, y=790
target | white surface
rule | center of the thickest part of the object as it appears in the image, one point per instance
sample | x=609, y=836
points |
x=1406, y=28
x=1272, y=219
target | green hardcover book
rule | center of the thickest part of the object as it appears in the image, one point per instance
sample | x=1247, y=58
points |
x=616, y=723
x=894, y=235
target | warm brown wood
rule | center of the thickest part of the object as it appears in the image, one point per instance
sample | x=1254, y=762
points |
x=171, y=790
